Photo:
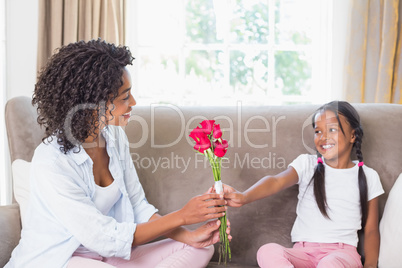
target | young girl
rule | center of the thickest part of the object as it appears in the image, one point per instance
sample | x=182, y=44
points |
x=337, y=197
x=87, y=206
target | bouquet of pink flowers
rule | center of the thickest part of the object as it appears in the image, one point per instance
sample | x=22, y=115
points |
x=208, y=139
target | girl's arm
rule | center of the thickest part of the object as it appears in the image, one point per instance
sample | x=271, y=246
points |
x=198, y=209
x=371, y=235
x=266, y=186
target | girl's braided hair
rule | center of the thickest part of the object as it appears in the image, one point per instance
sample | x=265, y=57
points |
x=353, y=118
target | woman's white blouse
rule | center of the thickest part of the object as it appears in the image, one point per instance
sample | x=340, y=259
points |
x=62, y=214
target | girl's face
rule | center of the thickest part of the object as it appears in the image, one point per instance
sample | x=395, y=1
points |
x=119, y=111
x=330, y=141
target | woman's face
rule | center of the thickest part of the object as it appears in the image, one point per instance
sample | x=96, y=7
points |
x=329, y=139
x=119, y=111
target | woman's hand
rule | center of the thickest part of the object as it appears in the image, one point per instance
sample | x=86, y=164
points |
x=233, y=197
x=207, y=234
x=199, y=209
x=203, y=208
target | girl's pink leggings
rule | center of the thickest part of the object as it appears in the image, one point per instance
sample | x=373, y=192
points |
x=306, y=255
x=164, y=253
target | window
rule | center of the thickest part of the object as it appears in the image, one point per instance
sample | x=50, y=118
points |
x=220, y=52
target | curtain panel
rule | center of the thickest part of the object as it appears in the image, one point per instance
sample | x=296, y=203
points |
x=373, y=67
x=65, y=21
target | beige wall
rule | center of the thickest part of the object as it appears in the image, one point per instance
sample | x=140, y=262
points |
x=21, y=44
x=18, y=36
x=3, y=171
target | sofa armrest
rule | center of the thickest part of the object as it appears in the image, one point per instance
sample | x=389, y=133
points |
x=10, y=231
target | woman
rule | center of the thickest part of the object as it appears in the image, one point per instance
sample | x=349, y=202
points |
x=87, y=206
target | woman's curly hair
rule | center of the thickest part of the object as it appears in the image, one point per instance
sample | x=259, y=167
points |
x=74, y=87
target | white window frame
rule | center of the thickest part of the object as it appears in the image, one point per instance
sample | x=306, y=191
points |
x=321, y=90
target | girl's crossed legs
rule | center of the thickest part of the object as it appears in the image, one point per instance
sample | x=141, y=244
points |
x=306, y=255
x=161, y=254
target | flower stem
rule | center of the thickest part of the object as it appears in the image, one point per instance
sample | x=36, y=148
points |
x=224, y=247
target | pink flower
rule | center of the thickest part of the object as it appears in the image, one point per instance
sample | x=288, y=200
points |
x=196, y=134
x=217, y=132
x=201, y=139
x=203, y=144
x=220, y=148
x=207, y=126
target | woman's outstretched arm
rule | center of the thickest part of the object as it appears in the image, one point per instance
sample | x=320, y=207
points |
x=205, y=235
x=199, y=209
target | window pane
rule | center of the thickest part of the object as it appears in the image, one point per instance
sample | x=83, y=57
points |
x=249, y=23
x=256, y=51
x=205, y=74
x=158, y=74
x=249, y=71
x=293, y=72
x=201, y=22
x=156, y=21
x=294, y=21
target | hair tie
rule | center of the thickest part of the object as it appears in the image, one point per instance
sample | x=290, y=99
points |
x=360, y=164
x=319, y=160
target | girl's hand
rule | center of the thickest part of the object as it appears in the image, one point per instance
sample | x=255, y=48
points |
x=207, y=234
x=233, y=197
x=227, y=189
x=203, y=208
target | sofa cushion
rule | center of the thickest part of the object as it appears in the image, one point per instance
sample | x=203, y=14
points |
x=391, y=228
x=21, y=170
x=9, y=232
